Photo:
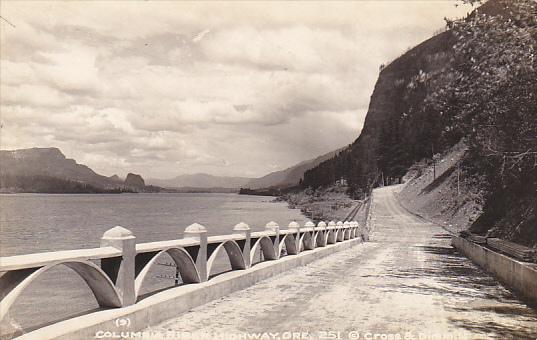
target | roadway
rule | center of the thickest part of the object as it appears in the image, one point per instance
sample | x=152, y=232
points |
x=406, y=283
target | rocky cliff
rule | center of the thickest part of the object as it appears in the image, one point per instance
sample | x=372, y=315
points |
x=134, y=181
x=475, y=82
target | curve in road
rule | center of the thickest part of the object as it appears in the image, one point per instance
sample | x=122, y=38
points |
x=407, y=283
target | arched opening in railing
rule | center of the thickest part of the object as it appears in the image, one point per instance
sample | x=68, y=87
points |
x=331, y=236
x=263, y=246
x=233, y=251
x=340, y=235
x=182, y=263
x=54, y=281
x=288, y=242
x=320, y=238
x=306, y=241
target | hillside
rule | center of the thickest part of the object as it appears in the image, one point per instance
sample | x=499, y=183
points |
x=50, y=162
x=201, y=181
x=443, y=192
x=290, y=176
x=47, y=170
x=475, y=82
x=278, y=179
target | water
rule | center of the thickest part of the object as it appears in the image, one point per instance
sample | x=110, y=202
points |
x=32, y=223
x=39, y=222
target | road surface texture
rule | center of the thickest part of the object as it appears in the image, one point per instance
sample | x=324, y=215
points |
x=406, y=283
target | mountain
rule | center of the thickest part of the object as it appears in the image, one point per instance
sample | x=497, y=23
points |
x=49, y=162
x=134, y=181
x=115, y=178
x=200, y=181
x=456, y=87
x=290, y=176
x=278, y=179
x=47, y=170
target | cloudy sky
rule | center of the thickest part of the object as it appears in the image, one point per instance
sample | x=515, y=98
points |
x=167, y=88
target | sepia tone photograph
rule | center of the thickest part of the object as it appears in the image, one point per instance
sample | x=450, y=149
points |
x=268, y=170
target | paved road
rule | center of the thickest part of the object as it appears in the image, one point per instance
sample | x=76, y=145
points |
x=407, y=282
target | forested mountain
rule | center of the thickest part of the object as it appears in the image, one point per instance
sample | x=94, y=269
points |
x=47, y=170
x=477, y=81
x=278, y=179
x=290, y=176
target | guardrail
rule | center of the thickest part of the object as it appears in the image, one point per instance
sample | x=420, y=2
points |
x=124, y=265
x=508, y=248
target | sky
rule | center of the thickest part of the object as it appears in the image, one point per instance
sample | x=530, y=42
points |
x=169, y=88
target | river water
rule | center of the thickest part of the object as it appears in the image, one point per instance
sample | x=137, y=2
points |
x=32, y=223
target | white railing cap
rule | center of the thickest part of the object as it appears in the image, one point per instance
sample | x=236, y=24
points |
x=241, y=227
x=195, y=228
x=293, y=225
x=118, y=233
x=272, y=225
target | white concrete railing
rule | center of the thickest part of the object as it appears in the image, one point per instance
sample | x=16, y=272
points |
x=124, y=265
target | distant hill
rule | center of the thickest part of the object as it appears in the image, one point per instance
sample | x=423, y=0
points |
x=200, y=181
x=290, y=176
x=278, y=179
x=47, y=170
x=50, y=162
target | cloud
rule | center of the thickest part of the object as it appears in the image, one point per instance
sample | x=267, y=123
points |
x=201, y=35
x=163, y=88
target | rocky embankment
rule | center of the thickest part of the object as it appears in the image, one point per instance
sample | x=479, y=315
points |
x=443, y=193
x=323, y=204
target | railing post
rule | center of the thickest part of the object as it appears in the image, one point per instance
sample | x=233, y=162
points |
x=322, y=225
x=243, y=229
x=347, y=231
x=332, y=232
x=121, y=270
x=311, y=243
x=296, y=227
x=199, y=233
x=273, y=226
x=341, y=236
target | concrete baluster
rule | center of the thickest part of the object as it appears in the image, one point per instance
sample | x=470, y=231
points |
x=198, y=232
x=243, y=229
x=340, y=234
x=323, y=232
x=296, y=227
x=273, y=226
x=347, y=232
x=332, y=232
x=311, y=243
x=121, y=270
